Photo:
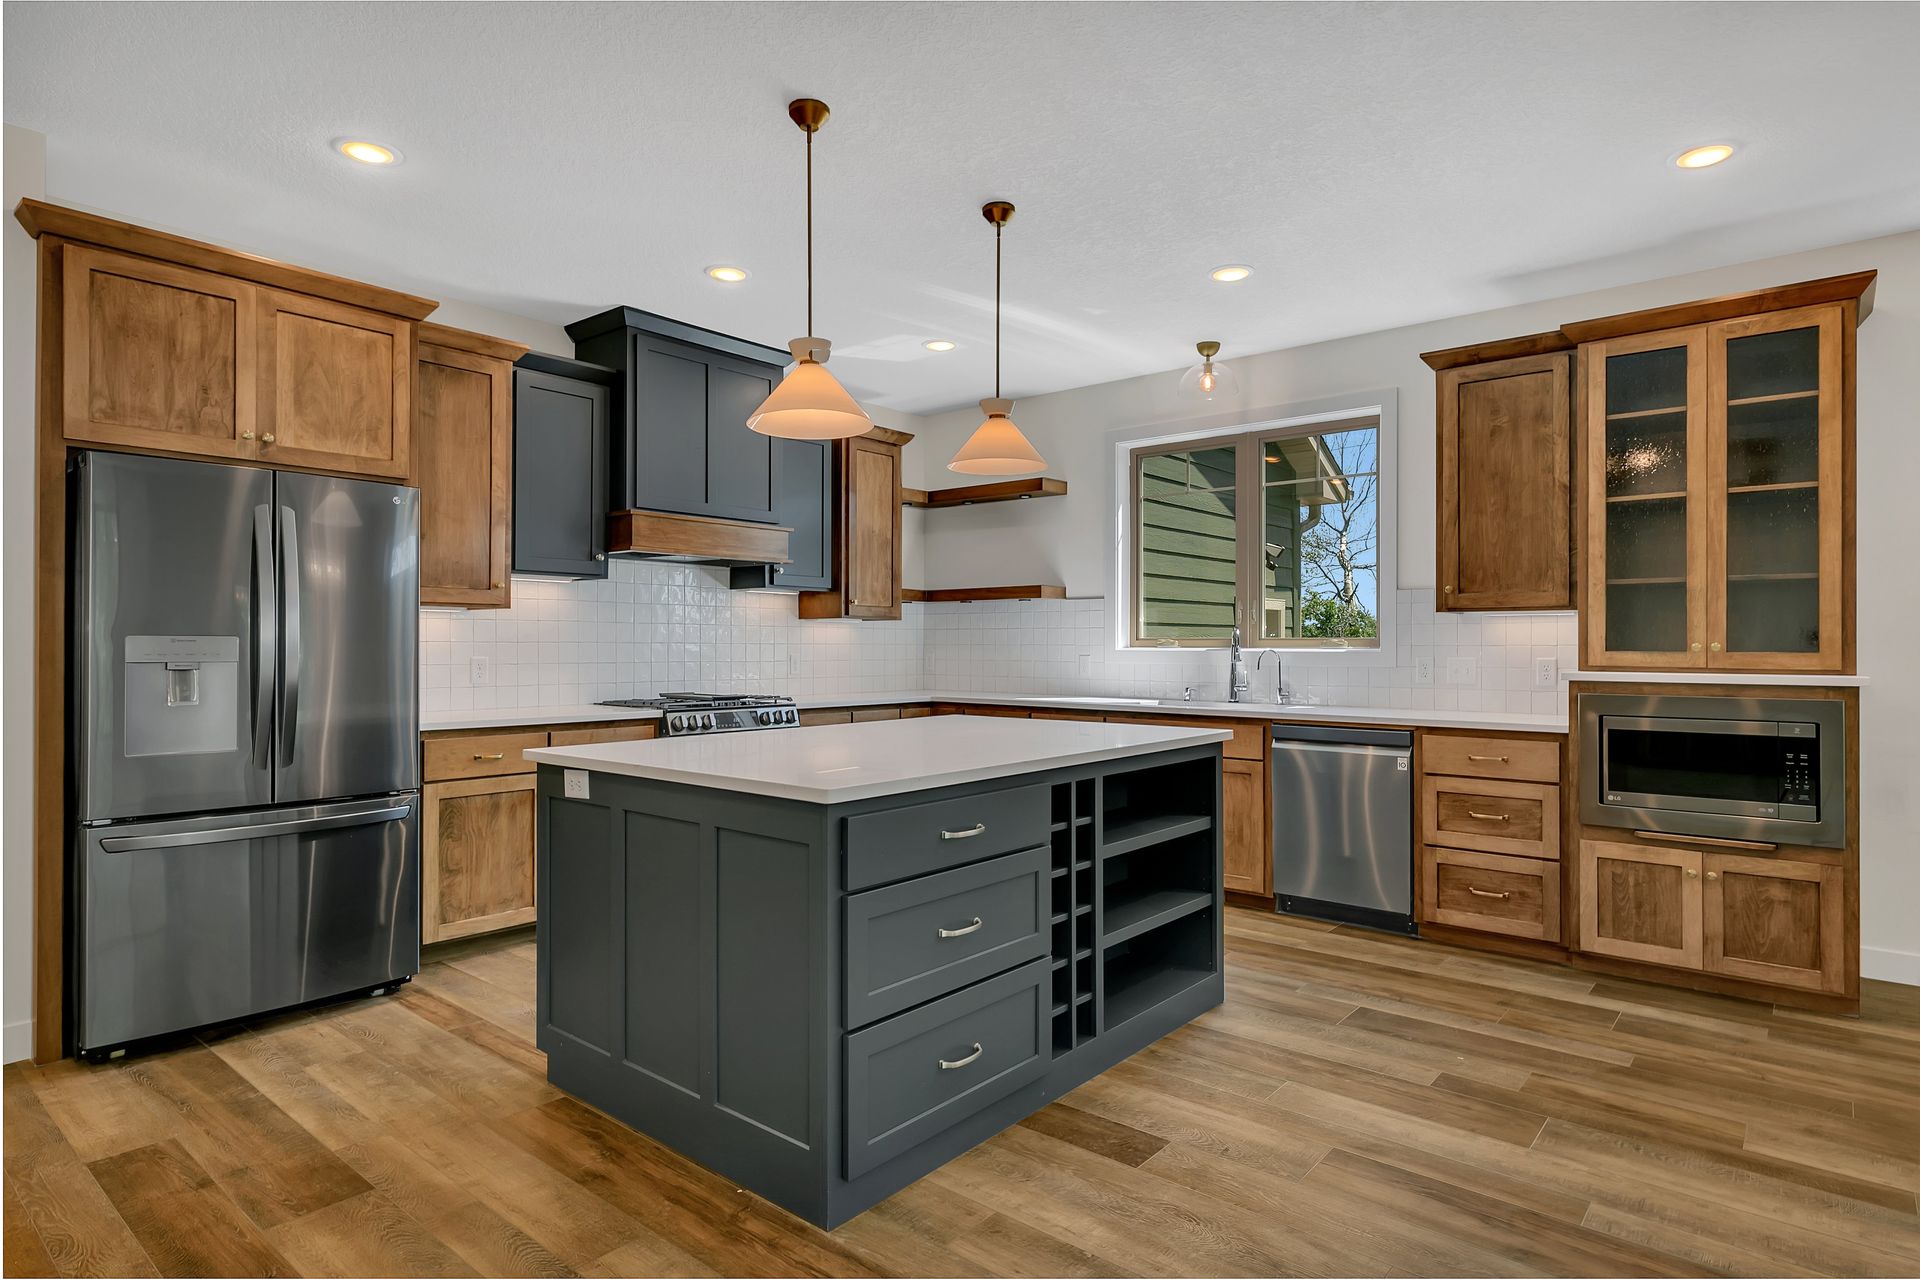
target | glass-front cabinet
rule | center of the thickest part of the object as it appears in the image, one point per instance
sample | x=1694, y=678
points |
x=1715, y=500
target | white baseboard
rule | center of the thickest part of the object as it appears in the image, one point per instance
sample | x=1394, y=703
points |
x=1877, y=962
x=18, y=1040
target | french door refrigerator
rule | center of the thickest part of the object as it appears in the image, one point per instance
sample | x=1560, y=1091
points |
x=245, y=781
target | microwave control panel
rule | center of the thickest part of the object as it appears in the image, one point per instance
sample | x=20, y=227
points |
x=1799, y=763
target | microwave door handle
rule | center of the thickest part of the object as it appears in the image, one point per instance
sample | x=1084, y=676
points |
x=290, y=639
x=265, y=632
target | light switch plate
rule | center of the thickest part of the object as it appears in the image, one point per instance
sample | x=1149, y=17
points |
x=1546, y=672
x=1462, y=672
x=479, y=671
x=1083, y=664
x=575, y=781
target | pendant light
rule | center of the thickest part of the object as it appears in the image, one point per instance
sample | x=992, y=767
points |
x=1207, y=380
x=809, y=403
x=997, y=446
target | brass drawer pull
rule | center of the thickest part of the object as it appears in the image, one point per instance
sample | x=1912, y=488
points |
x=974, y=927
x=967, y=1060
x=1481, y=892
x=1490, y=817
x=495, y=755
x=1488, y=759
x=978, y=828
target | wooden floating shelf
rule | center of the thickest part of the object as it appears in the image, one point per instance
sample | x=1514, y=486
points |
x=971, y=494
x=975, y=594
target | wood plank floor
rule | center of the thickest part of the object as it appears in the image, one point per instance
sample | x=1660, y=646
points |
x=1360, y=1105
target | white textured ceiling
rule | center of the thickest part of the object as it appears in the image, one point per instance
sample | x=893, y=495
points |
x=1377, y=164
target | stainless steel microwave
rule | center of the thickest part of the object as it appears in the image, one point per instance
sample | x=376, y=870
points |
x=1768, y=769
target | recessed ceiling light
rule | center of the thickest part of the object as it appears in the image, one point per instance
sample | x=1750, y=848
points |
x=366, y=152
x=1703, y=157
x=938, y=344
x=727, y=274
x=1231, y=274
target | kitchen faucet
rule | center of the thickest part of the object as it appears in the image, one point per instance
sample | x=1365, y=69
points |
x=1279, y=673
x=1237, y=680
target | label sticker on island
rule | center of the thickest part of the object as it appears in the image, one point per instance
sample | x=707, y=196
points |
x=575, y=780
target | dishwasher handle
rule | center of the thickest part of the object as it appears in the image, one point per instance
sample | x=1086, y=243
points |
x=1346, y=748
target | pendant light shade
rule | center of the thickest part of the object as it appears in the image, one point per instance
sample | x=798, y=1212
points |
x=997, y=446
x=809, y=403
x=1207, y=380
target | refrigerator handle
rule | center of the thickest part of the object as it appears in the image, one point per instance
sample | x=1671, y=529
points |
x=265, y=632
x=290, y=632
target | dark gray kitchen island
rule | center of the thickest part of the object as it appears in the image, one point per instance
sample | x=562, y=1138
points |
x=824, y=961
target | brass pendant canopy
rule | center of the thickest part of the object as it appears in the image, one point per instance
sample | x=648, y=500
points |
x=997, y=446
x=809, y=403
x=1207, y=380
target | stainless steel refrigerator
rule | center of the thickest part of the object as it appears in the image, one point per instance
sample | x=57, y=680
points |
x=245, y=784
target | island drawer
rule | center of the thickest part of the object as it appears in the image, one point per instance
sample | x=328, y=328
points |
x=1519, y=818
x=919, y=1073
x=909, y=942
x=900, y=843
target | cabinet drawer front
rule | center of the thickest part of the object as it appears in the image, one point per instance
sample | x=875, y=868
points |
x=910, y=942
x=922, y=1072
x=1520, y=818
x=1517, y=896
x=595, y=736
x=1510, y=759
x=1249, y=739
x=903, y=842
x=481, y=755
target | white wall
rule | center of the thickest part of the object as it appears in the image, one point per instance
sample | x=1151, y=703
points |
x=26, y=175
x=1064, y=539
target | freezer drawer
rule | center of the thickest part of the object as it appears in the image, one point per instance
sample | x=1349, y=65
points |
x=190, y=922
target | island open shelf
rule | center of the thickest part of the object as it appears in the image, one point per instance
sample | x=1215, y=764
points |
x=825, y=1000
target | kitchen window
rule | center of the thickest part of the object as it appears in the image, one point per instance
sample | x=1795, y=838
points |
x=1277, y=528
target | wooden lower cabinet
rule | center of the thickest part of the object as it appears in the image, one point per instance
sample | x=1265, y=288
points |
x=1491, y=893
x=1245, y=852
x=1779, y=922
x=1643, y=904
x=476, y=856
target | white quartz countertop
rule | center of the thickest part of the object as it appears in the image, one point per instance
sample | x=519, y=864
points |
x=520, y=716
x=838, y=763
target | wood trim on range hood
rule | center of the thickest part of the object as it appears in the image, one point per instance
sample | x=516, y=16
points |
x=666, y=534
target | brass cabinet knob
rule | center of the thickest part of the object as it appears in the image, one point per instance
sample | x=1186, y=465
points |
x=1448, y=589
x=1696, y=646
x=1692, y=874
x=497, y=585
x=1715, y=646
x=246, y=435
x=267, y=438
x=1713, y=874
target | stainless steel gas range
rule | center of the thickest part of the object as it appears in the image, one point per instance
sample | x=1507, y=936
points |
x=694, y=714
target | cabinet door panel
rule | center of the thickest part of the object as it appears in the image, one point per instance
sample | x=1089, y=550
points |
x=804, y=471
x=1641, y=903
x=1775, y=921
x=664, y=463
x=335, y=386
x=739, y=461
x=156, y=356
x=1246, y=855
x=463, y=464
x=1777, y=476
x=560, y=461
x=1506, y=484
x=477, y=857
x=1647, y=526
x=873, y=535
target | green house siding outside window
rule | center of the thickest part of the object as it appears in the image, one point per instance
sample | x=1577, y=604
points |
x=1278, y=530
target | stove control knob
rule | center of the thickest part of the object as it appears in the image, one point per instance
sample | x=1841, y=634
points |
x=675, y=724
x=793, y=716
x=764, y=717
x=706, y=722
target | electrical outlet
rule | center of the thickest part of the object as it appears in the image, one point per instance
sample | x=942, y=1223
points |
x=1083, y=665
x=1546, y=672
x=1462, y=672
x=479, y=671
x=1423, y=672
x=574, y=781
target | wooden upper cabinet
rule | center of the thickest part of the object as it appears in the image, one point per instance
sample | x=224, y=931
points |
x=156, y=356
x=335, y=386
x=1506, y=484
x=463, y=466
x=866, y=537
x=170, y=345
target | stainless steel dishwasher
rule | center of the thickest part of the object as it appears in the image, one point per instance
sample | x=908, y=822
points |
x=1343, y=825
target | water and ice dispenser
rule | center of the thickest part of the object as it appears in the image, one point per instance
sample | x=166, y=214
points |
x=182, y=694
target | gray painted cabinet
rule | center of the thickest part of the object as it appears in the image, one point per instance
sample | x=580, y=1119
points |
x=803, y=502
x=562, y=414
x=826, y=1002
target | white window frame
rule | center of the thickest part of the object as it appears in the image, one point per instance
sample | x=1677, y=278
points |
x=1381, y=404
